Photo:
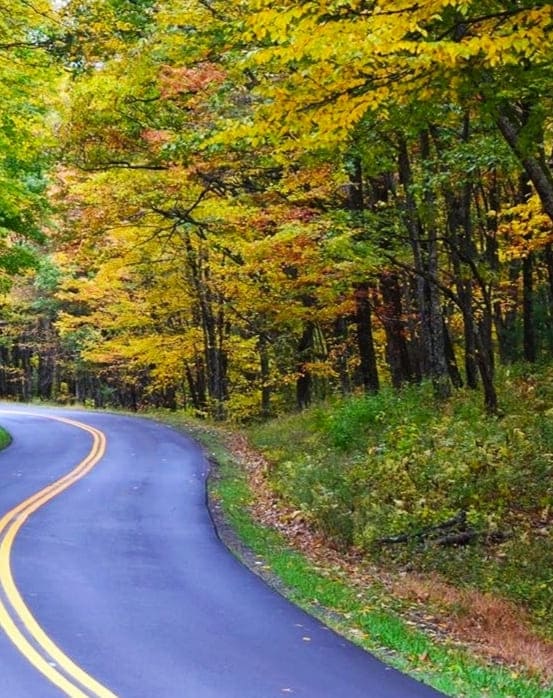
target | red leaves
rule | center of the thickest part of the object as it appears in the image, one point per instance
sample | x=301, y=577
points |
x=176, y=81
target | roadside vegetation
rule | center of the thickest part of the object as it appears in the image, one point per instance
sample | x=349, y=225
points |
x=453, y=491
x=369, y=616
x=5, y=439
x=423, y=535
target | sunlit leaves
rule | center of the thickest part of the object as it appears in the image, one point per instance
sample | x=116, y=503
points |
x=322, y=66
x=27, y=94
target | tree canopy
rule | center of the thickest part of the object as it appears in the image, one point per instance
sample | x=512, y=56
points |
x=251, y=205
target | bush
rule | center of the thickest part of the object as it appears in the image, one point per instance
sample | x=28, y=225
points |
x=375, y=467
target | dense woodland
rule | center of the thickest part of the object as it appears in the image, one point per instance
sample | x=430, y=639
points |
x=239, y=208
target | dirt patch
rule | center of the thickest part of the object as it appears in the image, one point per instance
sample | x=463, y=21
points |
x=489, y=626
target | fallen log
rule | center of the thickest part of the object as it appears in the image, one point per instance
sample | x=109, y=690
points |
x=458, y=521
x=452, y=532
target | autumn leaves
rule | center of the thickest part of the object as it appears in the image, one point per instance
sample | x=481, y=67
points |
x=231, y=176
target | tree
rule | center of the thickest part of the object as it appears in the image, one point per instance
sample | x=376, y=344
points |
x=260, y=212
x=27, y=80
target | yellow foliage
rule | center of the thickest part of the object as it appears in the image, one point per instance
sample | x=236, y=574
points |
x=525, y=228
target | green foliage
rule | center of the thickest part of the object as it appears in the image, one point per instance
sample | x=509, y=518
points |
x=369, y=616
x=5, y=439
x=376, y=467
x=27, y=84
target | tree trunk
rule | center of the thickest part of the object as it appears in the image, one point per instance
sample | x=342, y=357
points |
x=505, y=329
x=425, y=255
x=537, y=169
x=453, y=369
x=212, y=323
x=462, y=252
x=367, y=355
x=486, y=374
x=304, y=381
x=391, y=314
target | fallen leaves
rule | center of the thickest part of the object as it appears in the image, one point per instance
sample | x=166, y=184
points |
x=488, y=626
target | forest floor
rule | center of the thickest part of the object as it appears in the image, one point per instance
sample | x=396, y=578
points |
x=489, y=625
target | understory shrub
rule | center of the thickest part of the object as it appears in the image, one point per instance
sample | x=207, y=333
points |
x=395, y=473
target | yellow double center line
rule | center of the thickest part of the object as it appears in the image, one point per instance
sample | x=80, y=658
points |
x=15, y=617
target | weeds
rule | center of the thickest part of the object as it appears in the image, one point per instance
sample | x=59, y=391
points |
x=391, y=466
x=364, y=614
x=5, y=438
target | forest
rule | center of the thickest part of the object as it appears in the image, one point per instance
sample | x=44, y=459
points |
x=329, y=224
x=240, y=209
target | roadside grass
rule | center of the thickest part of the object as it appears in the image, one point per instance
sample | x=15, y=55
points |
x=5, y=439
x=367, y=618
x=379, y=471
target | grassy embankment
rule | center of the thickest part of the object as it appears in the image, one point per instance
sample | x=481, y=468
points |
x=431, y=500
x=5, y=438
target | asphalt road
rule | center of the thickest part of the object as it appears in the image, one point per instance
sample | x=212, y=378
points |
x=131, y=590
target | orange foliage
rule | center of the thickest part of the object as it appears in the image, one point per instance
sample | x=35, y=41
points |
x=178, y=80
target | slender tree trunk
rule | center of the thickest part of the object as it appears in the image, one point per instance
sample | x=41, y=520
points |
x=425, y=257
x=212, y=324
x=439, y=371
x=413, y=329
x=391, y=315
x=414, y=229
x=486, y=374
x=195, y=377
x=304, y=381
x=453, y=369
x=363, y=318
x=458, y=209
x=505, y=329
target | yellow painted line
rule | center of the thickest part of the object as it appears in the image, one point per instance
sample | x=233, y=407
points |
x=10, y=524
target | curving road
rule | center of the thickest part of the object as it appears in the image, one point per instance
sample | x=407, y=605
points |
x=113, y=581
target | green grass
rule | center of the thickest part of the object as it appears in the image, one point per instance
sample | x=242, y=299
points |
x=378, y=466
x=5, y=438
x=366, y=618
